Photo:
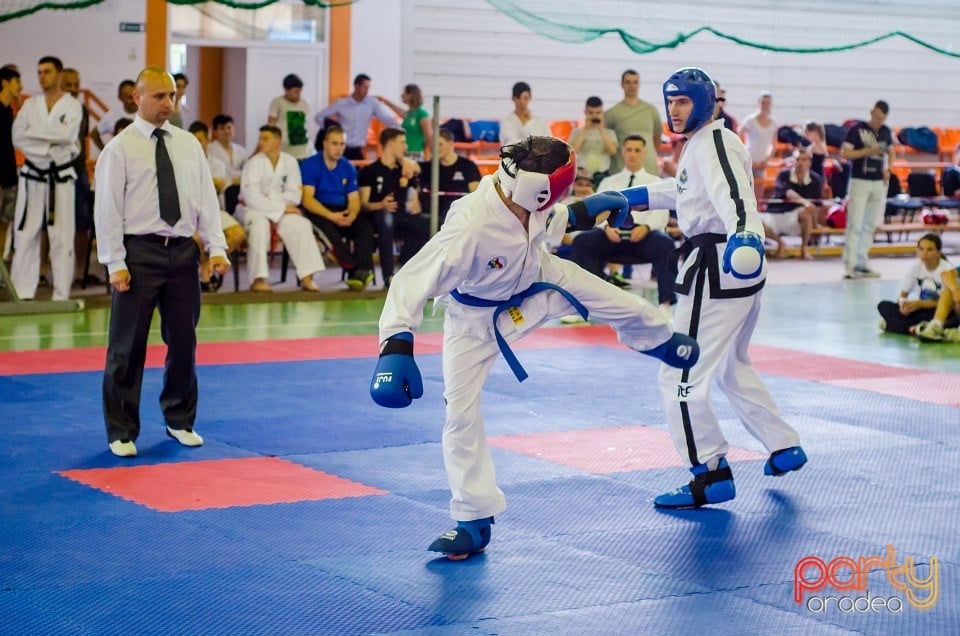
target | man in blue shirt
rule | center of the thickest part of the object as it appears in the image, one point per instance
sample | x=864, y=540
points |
x=331, y=201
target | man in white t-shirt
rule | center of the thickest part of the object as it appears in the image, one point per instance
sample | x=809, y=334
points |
x=521, y=123
x=127, y=110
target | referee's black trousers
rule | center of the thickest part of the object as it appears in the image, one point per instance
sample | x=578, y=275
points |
x=164, y=275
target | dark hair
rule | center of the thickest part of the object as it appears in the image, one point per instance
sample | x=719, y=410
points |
x=542, y=155
x=120, y=124
x=361, y=77
x=389, y=134
x=332, y=128
x=8, y=74
x=270, y=128
x=933, y=238
x=416, y=96
x=635, y=137
x=199, y=126
x=221, y=120
x=594, y=102
x=292, y=81
x=49, y=59
x=520, y=88
x=883, y=106
x=126, y=82
x=448, y=135
x=629, y=71
x=180, y=76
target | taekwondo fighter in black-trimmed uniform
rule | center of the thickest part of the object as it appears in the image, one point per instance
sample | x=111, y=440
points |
x=489, y=270
x=718, y=289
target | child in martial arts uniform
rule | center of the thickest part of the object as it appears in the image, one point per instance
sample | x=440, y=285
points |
x=496, y=283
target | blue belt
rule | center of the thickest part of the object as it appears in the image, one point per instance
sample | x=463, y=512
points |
x=515, y=301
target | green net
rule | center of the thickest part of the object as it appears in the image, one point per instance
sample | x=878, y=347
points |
x=580, y=22
x=12, y=9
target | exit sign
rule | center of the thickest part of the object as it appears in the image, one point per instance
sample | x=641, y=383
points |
x=132, y=27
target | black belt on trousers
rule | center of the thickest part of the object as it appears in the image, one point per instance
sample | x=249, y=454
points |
x=159, y=238
x=52, y=177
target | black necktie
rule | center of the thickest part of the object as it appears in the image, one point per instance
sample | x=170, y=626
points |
x=166, y=182
x=630, y=182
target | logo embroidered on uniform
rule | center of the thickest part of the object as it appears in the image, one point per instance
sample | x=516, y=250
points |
x=682, y=181
x=497, y=262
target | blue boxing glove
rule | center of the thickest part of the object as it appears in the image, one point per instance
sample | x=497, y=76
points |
x=680, y=351
x=583, y=213
x=396, y=381
x=743, y=256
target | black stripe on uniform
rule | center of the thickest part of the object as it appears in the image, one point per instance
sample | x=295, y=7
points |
x=692, y=331
x=731, y=179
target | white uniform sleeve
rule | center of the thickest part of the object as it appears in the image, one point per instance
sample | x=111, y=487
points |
x=438, y=268
x=252, y=185
x=663, y=195
x=729, y=187
x=292, y=192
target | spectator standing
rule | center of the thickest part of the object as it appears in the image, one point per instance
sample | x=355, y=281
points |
x=289, y=112
x=633, y=116
x=759, y=133
x=416, y=121
x=10, y=88
x=127, y=110
x=521, y=123
x=869, y=148
x=179, y=107
x=729, y=122
x=83, y=203
x=354, y=113
x=46, y=131
x=594, y=143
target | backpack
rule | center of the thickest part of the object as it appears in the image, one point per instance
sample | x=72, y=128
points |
x=922, y=139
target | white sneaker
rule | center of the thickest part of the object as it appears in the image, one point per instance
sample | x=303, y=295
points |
x=930, y=331
x=951, y=335
x=883, y=325
x=185, y=436
x=123, y=448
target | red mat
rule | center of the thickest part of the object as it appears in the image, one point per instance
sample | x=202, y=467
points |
x=606, y=450
x=219, y=483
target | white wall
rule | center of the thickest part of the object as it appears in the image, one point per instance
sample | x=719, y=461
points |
x=471, y=54
x=87, y=39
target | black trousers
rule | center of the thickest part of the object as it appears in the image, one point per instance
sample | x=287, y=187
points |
x=359, y=255
x=163, y=276
x=592, y=250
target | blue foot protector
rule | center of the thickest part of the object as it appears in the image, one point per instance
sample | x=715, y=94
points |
x=469, y=537
x=783, y=461
x=706, y=487
x=680, y=351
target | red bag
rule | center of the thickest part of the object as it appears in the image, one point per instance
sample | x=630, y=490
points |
x=836, y=217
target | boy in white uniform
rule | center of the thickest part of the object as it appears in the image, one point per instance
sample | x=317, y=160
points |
x=718, y=288
x=489, y=268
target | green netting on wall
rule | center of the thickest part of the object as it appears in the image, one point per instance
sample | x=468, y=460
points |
x=12, y=9
x=543, y=18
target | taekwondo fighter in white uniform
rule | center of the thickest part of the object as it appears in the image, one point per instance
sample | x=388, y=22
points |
x=497, y=283
x=718, y=287
x=45, y=131
x=270, y=191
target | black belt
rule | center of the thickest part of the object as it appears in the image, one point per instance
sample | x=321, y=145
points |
x=50, y=176
x=159, y=238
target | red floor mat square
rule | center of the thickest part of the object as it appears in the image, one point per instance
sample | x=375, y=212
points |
x=219, y=483
x=606, y=450
x=935, y=388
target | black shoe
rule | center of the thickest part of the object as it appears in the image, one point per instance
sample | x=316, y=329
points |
x=216, y=281
x=205, y=287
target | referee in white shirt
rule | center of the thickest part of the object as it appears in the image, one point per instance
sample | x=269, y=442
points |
x=154, y=191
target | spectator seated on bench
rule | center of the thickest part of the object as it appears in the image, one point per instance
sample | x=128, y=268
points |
x=797, y=211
